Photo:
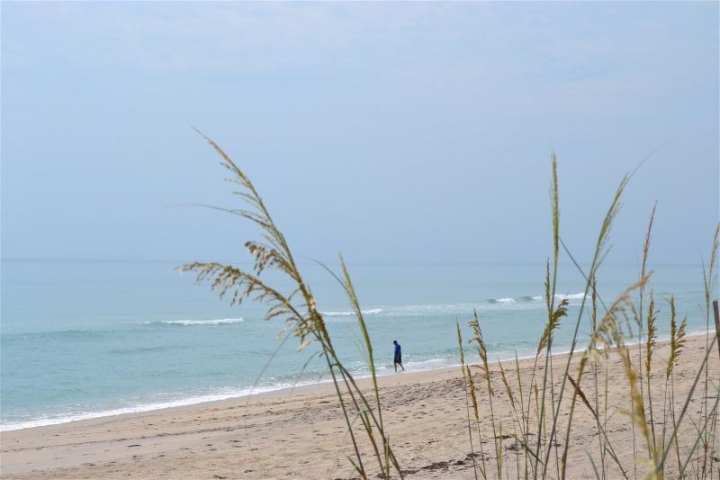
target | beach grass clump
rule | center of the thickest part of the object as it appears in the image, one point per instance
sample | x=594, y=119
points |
x=299, y=311
x=669, y=440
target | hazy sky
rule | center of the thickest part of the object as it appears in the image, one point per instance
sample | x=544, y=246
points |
x=391, y=132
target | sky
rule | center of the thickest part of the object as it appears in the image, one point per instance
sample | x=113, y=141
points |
x=389, y=132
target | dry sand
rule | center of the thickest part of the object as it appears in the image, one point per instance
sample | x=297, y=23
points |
x=303, y=434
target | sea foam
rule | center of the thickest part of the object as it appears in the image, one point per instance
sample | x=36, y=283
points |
x=200, y=323
x=372, y=311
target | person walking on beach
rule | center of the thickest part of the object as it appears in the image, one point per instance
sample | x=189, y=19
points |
x=398, y=355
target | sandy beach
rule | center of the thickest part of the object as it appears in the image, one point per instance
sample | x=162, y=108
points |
x=302, y=433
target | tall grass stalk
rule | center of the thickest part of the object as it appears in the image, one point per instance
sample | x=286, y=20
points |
x=479, y=341
x=708, y=438
x=467, y=376
x=649, y=347
x=550, y=288
x=595, y=371
x=598, y=256
x=524, y=420
x=649, y=344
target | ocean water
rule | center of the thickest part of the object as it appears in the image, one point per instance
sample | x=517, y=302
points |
x=88, y=339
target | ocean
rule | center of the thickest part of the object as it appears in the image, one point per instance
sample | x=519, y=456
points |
x=85, y=339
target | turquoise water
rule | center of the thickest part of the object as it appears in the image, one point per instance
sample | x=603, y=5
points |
x=87, y=339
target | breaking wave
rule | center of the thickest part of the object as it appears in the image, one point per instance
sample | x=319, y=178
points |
x=372, y=311
x=199, y=323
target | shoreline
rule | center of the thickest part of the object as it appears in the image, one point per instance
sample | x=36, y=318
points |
x=282, y=390
x=299, y=433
